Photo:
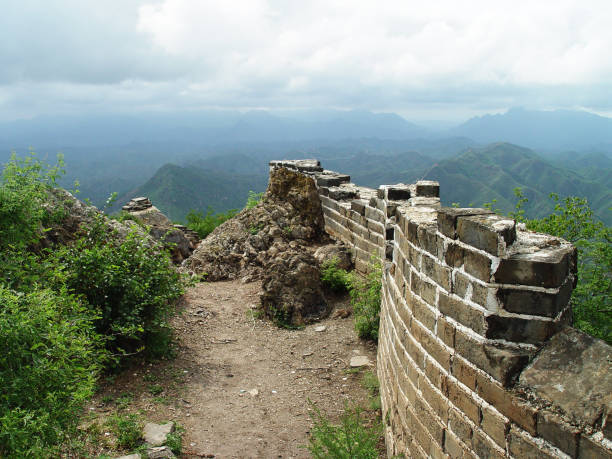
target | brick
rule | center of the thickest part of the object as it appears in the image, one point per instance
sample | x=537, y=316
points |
x=435, y=400
x=460, y=283
x=423, y=313
x=501, y=364
x=454, y=447
x=592, y=449
x=490, y=233
x=426, y=290
x=434, y=374
x=359, y=206
x=419, y=432
x=520, y=445
x=464, y=371
x=332, y=179
x=480, y=294
x=411, y=347
x=464, y=401
x=375, y=226
x=484, y=447
x=342, y=194
x=519, y=330
x=535, y=302
x=462, y=312
x=431, y=345
x=454, y=255
x=447, y=218
x=427, y=189
x=374, y=214
x=411, y=233
x=446, y=332
x=556, y=431
x=494, y=424
x=508, y=404
x=546, y=268
x=434, y=270
x=429, y=420
x=477, y=264
x=460, y=427
x=428, y=239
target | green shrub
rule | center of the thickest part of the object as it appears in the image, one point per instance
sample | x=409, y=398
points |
x=130, y=283
x=253, y=199
x=48, y=367
x=174, y=440
x=205, y=224
x=128, y=430
x=370, y=382
x=574, y=221
x=365, y=298
x=348, y=440
x=23, y=191
x=334, y=278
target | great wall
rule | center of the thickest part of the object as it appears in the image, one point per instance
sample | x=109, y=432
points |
x=476, y=354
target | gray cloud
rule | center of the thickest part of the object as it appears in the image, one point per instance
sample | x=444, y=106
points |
x=443, y=58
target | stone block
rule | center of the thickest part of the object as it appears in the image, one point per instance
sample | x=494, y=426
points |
x=428, y=239
x=535, y=302
x=501, y=364
x=447, y=218
x=429, y=420
x=494, y=424
x=572, y=371
x=556, y=431
x=463, y=400
x=359, y=206
x=376, y=215
x=484, y=447
x=546, y=268
x=454, y=255
x=521, y=445
x=378, y=203
x=508, y=403
x=464, y=371
x=431, y=344
x=490, y=233
x=332, y=179
x=462, y=312
x=477, y=264
x=421, y=287
x=427, y=189
x=434, y=270
x=518, y=329
x=397, y=193
x=342, y=194
x=592, y=449
x=460, y=426
x=446, y=332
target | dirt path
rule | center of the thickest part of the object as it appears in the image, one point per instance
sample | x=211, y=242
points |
x=240, y=386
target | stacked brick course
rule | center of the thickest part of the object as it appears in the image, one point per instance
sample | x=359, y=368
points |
x=469, y=305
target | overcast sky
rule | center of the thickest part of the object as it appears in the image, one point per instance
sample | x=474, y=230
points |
x=434, y=59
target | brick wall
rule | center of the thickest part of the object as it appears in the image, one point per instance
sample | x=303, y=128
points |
x=476, y=357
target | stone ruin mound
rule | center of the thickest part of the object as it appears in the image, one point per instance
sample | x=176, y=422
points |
x=273, y=241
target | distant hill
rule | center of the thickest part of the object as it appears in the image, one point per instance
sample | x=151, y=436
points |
x=492, y=172
x=176, y=190
x=552, y=130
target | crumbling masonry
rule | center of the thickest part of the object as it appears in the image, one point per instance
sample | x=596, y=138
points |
x=476, y=354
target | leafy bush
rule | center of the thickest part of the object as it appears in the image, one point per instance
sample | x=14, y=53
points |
x=350, y=439
x=129, y=282
x=253, y=199
x=365, y=298
x=574, y=221
x=205, y=224
x=128, y=430
x=334, y=278
x=48, y=367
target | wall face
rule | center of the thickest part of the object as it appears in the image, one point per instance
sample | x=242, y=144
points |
x=475, y=356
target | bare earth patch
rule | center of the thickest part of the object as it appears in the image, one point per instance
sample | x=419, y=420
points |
x=240, y=386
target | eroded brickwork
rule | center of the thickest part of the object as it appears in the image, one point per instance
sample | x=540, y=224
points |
x=475, y=356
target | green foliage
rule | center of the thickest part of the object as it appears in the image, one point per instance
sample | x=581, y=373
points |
x=174, y=441
x=365, y=298
x=130, y=283
x=574, y=221
x=350, y=439
x=205, y=224
x=24, y=188
x=370, y=382
x=128, y=430
x=253, y=199
x=48, y=367
x=334, y=278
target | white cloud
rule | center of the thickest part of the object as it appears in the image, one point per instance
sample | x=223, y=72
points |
x=282, y=53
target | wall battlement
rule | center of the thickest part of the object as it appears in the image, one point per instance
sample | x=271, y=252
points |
x=475, y=356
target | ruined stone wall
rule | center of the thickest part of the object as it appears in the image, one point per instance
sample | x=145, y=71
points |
x=476, y=357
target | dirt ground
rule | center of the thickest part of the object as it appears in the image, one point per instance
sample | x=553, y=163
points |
x=240, y=386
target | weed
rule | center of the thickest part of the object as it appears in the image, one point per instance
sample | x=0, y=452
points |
x=107, y=399
x=155, y=389
x=124, y=400
x=334, y=278
x=370, y=382
x=253, y=199
x=347, y=440
x=128, y=430
x=174, y=440
x=365, y=298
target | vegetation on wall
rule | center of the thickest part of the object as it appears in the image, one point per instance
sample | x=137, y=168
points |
x=573, y=220
x=68, y=312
